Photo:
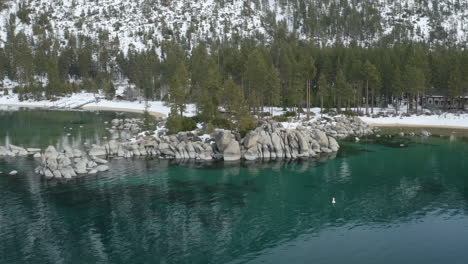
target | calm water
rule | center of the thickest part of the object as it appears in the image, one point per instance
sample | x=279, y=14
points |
x=40, y=128
x=394, y=205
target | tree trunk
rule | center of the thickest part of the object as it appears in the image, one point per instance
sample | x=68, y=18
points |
x=367, y=97
x=417, y=102
x=408, y=97
x=308, y=99
x=321, y=105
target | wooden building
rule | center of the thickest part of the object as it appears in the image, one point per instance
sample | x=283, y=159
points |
x=440, y=101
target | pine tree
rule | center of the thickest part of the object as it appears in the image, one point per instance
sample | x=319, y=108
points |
x=178, y=88
x=323, y=89
x=454, y=84
x=397, y=86
x=23, y=59
x=341, y=87
x=255, y=76
x=273, y=92
x=54, y=87
x=211, y=93
x=415, y=83
x=372, y=79
x=233, y=97
x=309, y=74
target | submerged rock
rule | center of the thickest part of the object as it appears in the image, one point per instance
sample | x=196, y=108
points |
x=425, y=133
x=102, y=168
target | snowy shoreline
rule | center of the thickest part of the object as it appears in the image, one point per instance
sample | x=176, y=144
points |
x=416, y=126
x=89, y=101
x=446, y=120
x=159, y=109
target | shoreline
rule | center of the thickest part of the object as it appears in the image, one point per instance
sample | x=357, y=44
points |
x=396, y=125
x=158, y=115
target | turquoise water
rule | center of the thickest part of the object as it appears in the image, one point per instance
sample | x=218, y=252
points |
x=394, y=205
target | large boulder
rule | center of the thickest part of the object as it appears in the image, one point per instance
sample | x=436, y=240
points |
x=77, y=153
x=165, y=150
x=321, y=138
x=250, y=139
x=112, y=147
x=303, y=144
x=50, y=153
x=333, y=144
x=80, y=166
x=277, y=145
x=228, y=145
x=223, y=139
x=190, y=150
x=232, y=151
x=3, y=151
x=18, y=151
x=251, y=153
x=102, y=168
x=97, y=150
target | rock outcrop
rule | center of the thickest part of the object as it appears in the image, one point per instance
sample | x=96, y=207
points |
x=341, y=126
x=14, y=151
x=272, y=141
x=268, y=141
x=68, y=163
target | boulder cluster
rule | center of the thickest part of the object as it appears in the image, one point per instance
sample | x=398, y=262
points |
x=180, y=146
x=15, y=151
x=69, y=163
x=124, y=128
x=270, y=140
x=341, y=126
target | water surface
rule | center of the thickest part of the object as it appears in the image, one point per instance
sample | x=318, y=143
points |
x=395, y=204
x=38, y=128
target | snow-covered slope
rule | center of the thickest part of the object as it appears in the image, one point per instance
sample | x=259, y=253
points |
x=145, y=23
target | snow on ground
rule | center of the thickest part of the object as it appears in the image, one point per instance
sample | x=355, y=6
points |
x=153, y=106
x=66, y=102
x=93, y=102
x=443, y=120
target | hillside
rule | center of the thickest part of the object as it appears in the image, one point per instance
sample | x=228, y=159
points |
x=146, y=23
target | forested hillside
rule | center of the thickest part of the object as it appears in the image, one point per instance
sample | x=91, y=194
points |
x=146, y=23
x=242, y=55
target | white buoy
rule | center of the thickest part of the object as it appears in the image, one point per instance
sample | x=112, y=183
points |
x=333, y=200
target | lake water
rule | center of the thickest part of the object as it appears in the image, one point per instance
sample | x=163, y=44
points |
x=38, y=128
x=394, y=205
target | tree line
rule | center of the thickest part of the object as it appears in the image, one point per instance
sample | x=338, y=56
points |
x=243, y=75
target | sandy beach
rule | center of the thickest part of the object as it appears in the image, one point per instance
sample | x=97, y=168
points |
x=158, y=115
x=416, y=126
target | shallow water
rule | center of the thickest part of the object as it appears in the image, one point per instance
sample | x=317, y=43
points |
x=394, y=205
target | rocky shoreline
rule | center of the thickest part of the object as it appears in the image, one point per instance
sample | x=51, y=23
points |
x=270, y=140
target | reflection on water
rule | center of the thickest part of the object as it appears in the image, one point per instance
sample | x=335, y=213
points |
x=40, y=128
x=393, y=206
